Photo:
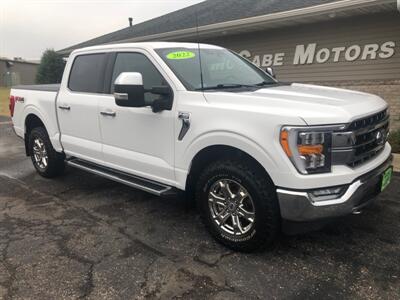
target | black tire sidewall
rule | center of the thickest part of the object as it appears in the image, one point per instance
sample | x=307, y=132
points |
x=55, y=164
x=205, y=192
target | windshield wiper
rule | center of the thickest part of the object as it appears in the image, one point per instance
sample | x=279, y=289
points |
x=266, y=83
x=234, y=85
x=224, y=86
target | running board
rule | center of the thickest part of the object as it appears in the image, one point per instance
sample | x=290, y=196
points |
x=137, y=182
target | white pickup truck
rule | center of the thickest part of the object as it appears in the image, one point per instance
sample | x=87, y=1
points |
x=170, y=117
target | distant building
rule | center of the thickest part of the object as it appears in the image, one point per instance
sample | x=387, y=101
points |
x=348, y=43
x=17, y=71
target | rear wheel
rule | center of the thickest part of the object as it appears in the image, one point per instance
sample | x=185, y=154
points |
x=238, y=205
x=47, y=162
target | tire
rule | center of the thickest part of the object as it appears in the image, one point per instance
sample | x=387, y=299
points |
x=260, y=206
x=47, y=162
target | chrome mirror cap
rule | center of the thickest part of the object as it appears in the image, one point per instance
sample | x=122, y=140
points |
x=129, y=78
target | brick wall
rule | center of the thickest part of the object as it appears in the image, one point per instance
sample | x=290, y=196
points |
x=388, y=90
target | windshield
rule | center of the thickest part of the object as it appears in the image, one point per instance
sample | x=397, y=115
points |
x=221, y=68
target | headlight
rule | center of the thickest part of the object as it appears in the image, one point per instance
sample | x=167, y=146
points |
x=308, y=148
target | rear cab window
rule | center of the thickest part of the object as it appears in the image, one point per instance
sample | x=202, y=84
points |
x=87, y=73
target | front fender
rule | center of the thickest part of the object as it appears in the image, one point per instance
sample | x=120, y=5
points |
x=224, y=138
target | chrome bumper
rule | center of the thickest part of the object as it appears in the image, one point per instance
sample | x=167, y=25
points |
x=297, y=205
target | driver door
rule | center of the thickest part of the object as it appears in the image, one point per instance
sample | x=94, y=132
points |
x=136, y=140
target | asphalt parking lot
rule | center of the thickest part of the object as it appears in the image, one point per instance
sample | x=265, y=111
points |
x=82, y=236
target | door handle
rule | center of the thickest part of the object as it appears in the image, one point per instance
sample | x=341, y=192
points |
x=185, y=117
x=108, y=113
x=65, y=107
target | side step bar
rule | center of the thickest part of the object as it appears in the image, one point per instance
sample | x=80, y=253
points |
x=140, y=183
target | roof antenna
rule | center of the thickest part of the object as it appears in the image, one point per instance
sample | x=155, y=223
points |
x=198, y=46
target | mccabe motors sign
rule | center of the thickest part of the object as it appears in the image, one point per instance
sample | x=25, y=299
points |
x=312, y=54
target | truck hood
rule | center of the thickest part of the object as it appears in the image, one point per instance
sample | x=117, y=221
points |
x=316, y=105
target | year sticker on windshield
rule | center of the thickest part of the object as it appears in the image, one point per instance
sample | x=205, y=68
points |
x=181, y=55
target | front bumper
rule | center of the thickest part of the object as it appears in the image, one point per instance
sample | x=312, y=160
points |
x=297, y=205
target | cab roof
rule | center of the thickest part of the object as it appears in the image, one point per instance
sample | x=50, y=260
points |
x=146, y=45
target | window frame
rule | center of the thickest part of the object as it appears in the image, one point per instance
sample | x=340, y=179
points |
x=111, y=65
x=100, y=87
x=187, y=85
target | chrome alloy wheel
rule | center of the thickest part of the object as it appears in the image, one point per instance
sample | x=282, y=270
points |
x=40, y=153
x=231, y=206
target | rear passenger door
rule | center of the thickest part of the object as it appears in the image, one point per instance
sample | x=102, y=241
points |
x=77, y=107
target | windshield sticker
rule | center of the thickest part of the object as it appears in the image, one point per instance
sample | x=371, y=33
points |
x=181, y=55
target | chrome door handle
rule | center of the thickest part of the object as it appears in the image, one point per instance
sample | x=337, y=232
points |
x=108, y=113
x=65, y=107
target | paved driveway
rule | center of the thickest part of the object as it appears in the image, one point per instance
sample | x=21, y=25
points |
x=82, y=236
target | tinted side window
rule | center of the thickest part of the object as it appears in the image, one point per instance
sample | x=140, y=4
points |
x=137, y=62
x=87, y=74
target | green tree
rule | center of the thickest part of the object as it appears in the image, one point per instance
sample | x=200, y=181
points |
x=51, y=67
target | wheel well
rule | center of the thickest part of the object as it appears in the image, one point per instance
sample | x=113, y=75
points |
x=214, y=153
x=32, y=121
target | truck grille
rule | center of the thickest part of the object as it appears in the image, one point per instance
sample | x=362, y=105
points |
x=362, y=140
x=368, y=121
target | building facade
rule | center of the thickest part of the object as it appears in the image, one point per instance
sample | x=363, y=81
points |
x=360, y=53
x=15, y=72
x=351, y=44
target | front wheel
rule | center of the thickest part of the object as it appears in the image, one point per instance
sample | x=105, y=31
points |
x=238, y=205
x=47, y=162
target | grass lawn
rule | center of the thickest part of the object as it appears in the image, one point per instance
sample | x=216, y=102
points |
x=4, y=94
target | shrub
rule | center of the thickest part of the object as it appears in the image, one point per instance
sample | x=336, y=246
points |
x=51, y=67
x=394, y=140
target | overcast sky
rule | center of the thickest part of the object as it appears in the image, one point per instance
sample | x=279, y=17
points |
x=28, y=27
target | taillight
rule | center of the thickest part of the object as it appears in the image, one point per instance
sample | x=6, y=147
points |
x=12, y=105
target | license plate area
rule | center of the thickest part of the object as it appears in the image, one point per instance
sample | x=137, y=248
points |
x=386, y=178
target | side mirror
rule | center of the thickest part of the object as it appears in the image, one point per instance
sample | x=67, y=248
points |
x=161, y=90
x=271, y=72
x=165, y=100
x=129, y=90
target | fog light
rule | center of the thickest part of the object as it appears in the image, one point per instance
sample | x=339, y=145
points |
x=327, y=193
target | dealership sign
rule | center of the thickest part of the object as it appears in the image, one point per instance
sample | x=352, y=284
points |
x=312, y=54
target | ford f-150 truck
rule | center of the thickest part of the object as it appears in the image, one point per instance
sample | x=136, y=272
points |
x=170, y=117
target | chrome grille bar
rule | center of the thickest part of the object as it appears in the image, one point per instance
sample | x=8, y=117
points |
x=361, y=140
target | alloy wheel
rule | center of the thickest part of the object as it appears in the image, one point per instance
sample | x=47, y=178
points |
x=231, y=206
x=40, y=154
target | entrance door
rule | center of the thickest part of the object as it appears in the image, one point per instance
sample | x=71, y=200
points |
x=77, y=107
x=137, y=140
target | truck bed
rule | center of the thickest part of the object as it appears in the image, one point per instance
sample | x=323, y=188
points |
x=39, y=87
x=38, y=100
